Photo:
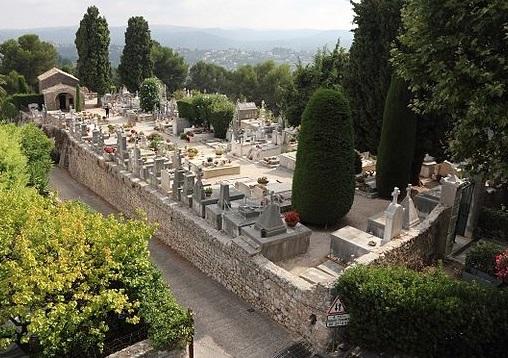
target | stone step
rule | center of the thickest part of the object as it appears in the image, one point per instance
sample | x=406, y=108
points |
x=331, y=268
x=313, y=275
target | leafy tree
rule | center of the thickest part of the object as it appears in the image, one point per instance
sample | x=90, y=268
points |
x=398, y=137
x=454, y=56
x=92, y=44
x=29, y=56
x=210, y=78
x=14, y=83
x=169, y=67
x=221, y=115
x=327, y=70
x=136, y=61
x=323, y=184
x=150, y=94
x=369, y=73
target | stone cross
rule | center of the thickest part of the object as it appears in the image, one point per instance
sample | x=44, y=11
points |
x=395, y=195
x=393, y=218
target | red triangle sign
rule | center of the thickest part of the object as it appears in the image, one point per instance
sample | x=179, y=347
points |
x=337, y=307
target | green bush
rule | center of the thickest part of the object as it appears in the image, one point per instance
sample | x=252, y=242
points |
x=323, y=183
x=13, y=164
x=21, y=101
x=149, y=94
x=221, y=115
x=186, y=109
x=397, y=310
x=397, y=144
x=493, y=224
x=483, y=257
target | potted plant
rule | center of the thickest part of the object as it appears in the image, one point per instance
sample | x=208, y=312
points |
x=292, y=218
x=481, y=263
x=263, y=180
x=208, y=192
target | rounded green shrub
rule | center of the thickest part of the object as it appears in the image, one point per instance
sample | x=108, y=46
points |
x=323, y=183
x=397, y=145
x=149, y=94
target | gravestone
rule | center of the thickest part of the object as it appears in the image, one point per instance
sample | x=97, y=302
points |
x=410, y=217
x=393, y=218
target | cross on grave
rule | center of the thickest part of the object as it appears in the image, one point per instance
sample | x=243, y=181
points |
x=395, y=195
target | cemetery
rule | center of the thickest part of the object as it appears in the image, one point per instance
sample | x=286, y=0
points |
x=222, y=202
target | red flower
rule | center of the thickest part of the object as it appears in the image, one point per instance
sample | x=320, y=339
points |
x=110, y=150
x=292, y=218
x=502, y=266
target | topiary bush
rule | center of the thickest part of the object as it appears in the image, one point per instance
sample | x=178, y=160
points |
x=323, y=183
x=482, y=257
x=149, y=94
x=400, y=311
x=221, y=115
x=397, y=144
x=186, y=110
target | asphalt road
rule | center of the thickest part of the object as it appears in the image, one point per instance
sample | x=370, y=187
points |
x=226, y=326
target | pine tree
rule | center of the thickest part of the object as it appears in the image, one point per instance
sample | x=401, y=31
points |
x=136, y=63
x=323, y=184
x=397, y=144
x=369, y=74
x=92, y=44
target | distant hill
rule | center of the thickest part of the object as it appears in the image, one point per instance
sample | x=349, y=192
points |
x=206, y=38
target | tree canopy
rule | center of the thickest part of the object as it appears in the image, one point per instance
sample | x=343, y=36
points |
x=92, y=44
x=29, y=56
x=455, y=56
x=369, y=72
x=136, y=62
x=323, y=183
x=169, y=67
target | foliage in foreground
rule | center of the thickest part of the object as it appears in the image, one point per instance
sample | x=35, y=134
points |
x=68, y=275
x=424, y=314
x=323, y=184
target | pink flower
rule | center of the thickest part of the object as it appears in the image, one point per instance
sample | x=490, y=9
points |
x=502, y=266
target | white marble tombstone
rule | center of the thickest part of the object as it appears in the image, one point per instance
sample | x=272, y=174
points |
x=393, y=218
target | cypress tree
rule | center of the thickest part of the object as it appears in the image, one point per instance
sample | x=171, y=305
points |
x=77, y=100
x=323, y=183
x=368, y=78
x=398, y=137
x=136, y=63
x=92, y=45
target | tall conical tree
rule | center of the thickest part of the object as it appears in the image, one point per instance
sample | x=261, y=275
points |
x=398, y=137
x=77, y=100
x=92, y=45
x=136, y=63
x=323, y=184
x=368, y=77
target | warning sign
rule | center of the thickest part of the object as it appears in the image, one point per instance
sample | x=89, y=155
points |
x=337, y=307
x=337, y=316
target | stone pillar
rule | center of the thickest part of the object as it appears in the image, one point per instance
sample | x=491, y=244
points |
x=224, y=196
x=476, y=202
x=393, y=218
x=410, y=218
x=450, y=197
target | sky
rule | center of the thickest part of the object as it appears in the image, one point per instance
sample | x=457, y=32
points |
x=255, y=14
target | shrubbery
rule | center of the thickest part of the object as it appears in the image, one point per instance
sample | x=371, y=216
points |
x=208, y=110
x=71, y=280
x=493, y=224
x=149, y=94
x=482, y=257
x=323, y=184
x=424, y=314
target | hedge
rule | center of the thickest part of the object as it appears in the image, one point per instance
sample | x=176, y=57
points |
x=493, y=224
x=21, y=101
x=482, y=257
x=397, y=143
x=323, y=183
x=186, y=109
x=400, y=311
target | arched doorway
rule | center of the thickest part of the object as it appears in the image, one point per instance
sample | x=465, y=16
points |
x=64, y=101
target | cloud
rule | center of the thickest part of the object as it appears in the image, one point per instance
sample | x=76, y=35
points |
x=264, y=14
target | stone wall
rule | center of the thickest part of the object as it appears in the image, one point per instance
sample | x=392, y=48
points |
x=144, y=349
x=417, y=247
x=288, y=299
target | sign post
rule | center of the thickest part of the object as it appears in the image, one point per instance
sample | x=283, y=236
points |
x=337, y=318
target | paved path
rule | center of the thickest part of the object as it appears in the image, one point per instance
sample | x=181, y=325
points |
x=226, y=326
